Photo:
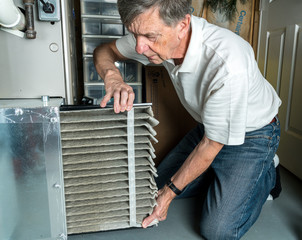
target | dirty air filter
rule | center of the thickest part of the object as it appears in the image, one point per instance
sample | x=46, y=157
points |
x=108, y=168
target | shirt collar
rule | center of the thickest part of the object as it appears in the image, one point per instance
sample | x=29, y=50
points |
x=188, y=65
x=196, y=35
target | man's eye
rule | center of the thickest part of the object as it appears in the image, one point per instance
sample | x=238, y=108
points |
x=152, y=39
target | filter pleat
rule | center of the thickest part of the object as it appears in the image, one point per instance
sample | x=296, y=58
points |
x=107, y=207
x=104, y=133
x=106, y=171
x=102, y=149
x=106, y=156
x=108, y=194
x=124, y=212
x=74, y=143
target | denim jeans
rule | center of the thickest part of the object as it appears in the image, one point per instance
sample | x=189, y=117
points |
x=236, y=184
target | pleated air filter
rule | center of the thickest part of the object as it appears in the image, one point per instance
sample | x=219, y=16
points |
x=108, y=168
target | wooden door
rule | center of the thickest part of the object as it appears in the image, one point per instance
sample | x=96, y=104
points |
x=280, y=60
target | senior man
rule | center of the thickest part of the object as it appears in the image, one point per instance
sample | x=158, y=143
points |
x=217, y=80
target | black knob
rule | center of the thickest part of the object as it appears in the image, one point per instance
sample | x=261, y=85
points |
x=48, y=8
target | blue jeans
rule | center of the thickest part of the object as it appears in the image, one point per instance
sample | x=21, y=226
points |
x=236, y=184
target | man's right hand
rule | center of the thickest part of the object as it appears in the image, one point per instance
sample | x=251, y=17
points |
x=104, y=57
x=121, y=92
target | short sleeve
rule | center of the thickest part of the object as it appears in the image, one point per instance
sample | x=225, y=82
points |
x=225, y=110
x=126, y=46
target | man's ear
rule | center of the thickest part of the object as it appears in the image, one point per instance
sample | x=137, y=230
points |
x=184, y=26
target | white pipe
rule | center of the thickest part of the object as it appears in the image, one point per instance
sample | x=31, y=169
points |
x=11, y=16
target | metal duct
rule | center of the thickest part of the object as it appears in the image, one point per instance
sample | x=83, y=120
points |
x=108, y=168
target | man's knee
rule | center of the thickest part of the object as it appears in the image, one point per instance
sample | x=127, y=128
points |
x=218, y=228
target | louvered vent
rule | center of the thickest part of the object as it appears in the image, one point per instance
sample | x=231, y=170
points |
x=108, y=168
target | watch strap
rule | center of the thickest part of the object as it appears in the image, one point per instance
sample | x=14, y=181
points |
x=173, y=187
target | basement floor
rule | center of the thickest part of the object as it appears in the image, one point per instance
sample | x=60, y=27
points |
x=280, y=219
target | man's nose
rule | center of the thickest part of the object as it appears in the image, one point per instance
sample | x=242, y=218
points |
x=141, y=45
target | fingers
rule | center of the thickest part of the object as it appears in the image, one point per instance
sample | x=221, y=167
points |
x=105, y=100
x=116, y=97
x=159, y=213
x=154, y=216
x=130, y=100
x=123, y=98
x=148, y=220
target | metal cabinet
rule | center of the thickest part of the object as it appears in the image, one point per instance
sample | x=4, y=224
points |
x=101, y=23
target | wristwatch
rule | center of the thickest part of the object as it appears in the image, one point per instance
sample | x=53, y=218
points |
x=173, y=187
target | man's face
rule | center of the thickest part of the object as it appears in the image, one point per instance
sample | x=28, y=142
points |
x=155, y=40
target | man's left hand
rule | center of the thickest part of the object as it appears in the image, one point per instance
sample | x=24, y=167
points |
x=165, y=196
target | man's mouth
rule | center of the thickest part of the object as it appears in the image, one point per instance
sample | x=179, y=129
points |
x=151, y=57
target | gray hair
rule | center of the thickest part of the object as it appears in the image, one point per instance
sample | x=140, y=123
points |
x=170, y=11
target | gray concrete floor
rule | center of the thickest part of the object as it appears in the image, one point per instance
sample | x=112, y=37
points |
x=280, y=219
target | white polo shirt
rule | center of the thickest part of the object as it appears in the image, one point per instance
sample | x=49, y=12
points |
x=219, y=82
